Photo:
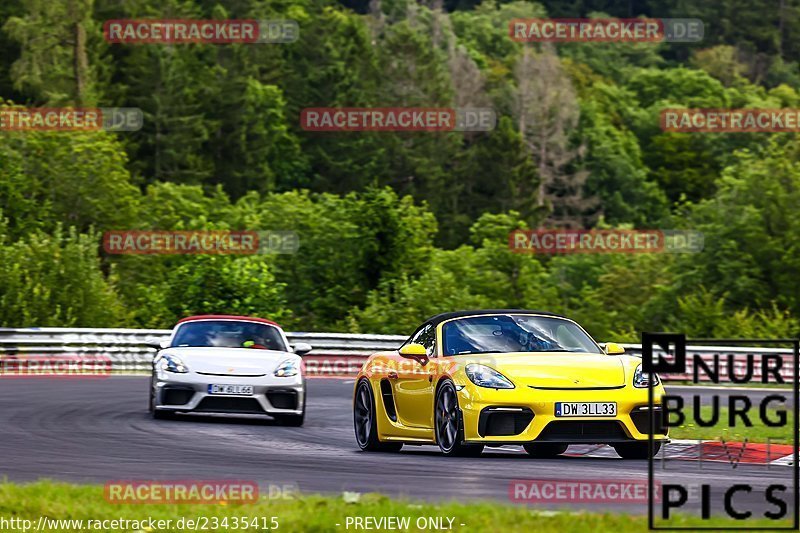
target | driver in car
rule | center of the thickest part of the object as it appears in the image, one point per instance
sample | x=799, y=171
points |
x=256, y=339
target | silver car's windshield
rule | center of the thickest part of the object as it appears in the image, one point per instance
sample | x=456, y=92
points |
x=515, y=333
x=229, y=334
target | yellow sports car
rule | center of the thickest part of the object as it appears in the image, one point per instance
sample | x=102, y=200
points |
x=471, y=379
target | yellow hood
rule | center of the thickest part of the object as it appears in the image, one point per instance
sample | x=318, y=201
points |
x=556, y=370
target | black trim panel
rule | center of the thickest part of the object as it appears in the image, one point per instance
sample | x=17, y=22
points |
x=588, y=431
x=504, y=421
x=388, y=400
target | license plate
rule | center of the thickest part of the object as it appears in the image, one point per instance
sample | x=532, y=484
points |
x=586, y=409
x=236, y=390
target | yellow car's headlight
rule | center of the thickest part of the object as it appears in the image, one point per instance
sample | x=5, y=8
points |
x=484, y=376
x=642, y=380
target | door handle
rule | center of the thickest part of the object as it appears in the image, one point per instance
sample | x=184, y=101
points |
x=392, y=374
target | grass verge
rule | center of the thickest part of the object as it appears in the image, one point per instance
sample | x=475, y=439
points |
x=308, y=513
x=759, y=432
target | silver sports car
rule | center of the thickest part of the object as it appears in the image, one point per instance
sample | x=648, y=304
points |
x=229, y=364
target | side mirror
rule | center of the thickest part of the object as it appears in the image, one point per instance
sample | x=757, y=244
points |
x=612, y=348
x=301, y=348
x=413, y=350
x=158, y=345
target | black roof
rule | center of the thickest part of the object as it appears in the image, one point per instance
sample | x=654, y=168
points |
x=437, y=319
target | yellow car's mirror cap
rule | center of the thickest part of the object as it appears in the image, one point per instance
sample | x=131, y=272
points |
x=413, y=350
x=612, y=348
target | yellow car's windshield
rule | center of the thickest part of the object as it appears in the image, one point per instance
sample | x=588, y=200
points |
x=515, y=333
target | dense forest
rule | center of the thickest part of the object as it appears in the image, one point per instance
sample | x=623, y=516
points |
x=396, y=226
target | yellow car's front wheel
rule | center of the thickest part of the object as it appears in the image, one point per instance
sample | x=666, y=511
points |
x=448, y=424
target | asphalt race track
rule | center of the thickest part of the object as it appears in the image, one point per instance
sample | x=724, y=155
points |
x=99, y=430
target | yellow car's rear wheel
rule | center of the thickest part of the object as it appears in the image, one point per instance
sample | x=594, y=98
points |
x=365, y=422
x=448, y=424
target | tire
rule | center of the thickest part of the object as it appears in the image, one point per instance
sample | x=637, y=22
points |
x=636, y=450
x=448, y=425
x=294, y=421
x=545, y=450
x=365, y=423
x=158, y=415
x=151, y=404
x=162, y=415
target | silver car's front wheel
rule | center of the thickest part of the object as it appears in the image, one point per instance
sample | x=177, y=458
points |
x=293, y=420
x=158, y=415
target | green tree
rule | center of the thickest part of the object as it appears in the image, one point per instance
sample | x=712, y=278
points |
x=347, y=246
x=57, y=41
x=225, y=285
x=751, y=236
x=170, y=84
x=254, y=149
x=76, y=179
x=614, y=160
x=56, y=280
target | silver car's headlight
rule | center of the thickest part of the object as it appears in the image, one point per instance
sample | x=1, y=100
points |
x=287, y=368
x=642, y=380
x=484, y=376
x=171, y=363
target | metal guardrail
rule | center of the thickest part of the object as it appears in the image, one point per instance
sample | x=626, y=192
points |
x=738, y=362
x=129, y=350
x=334, y=353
